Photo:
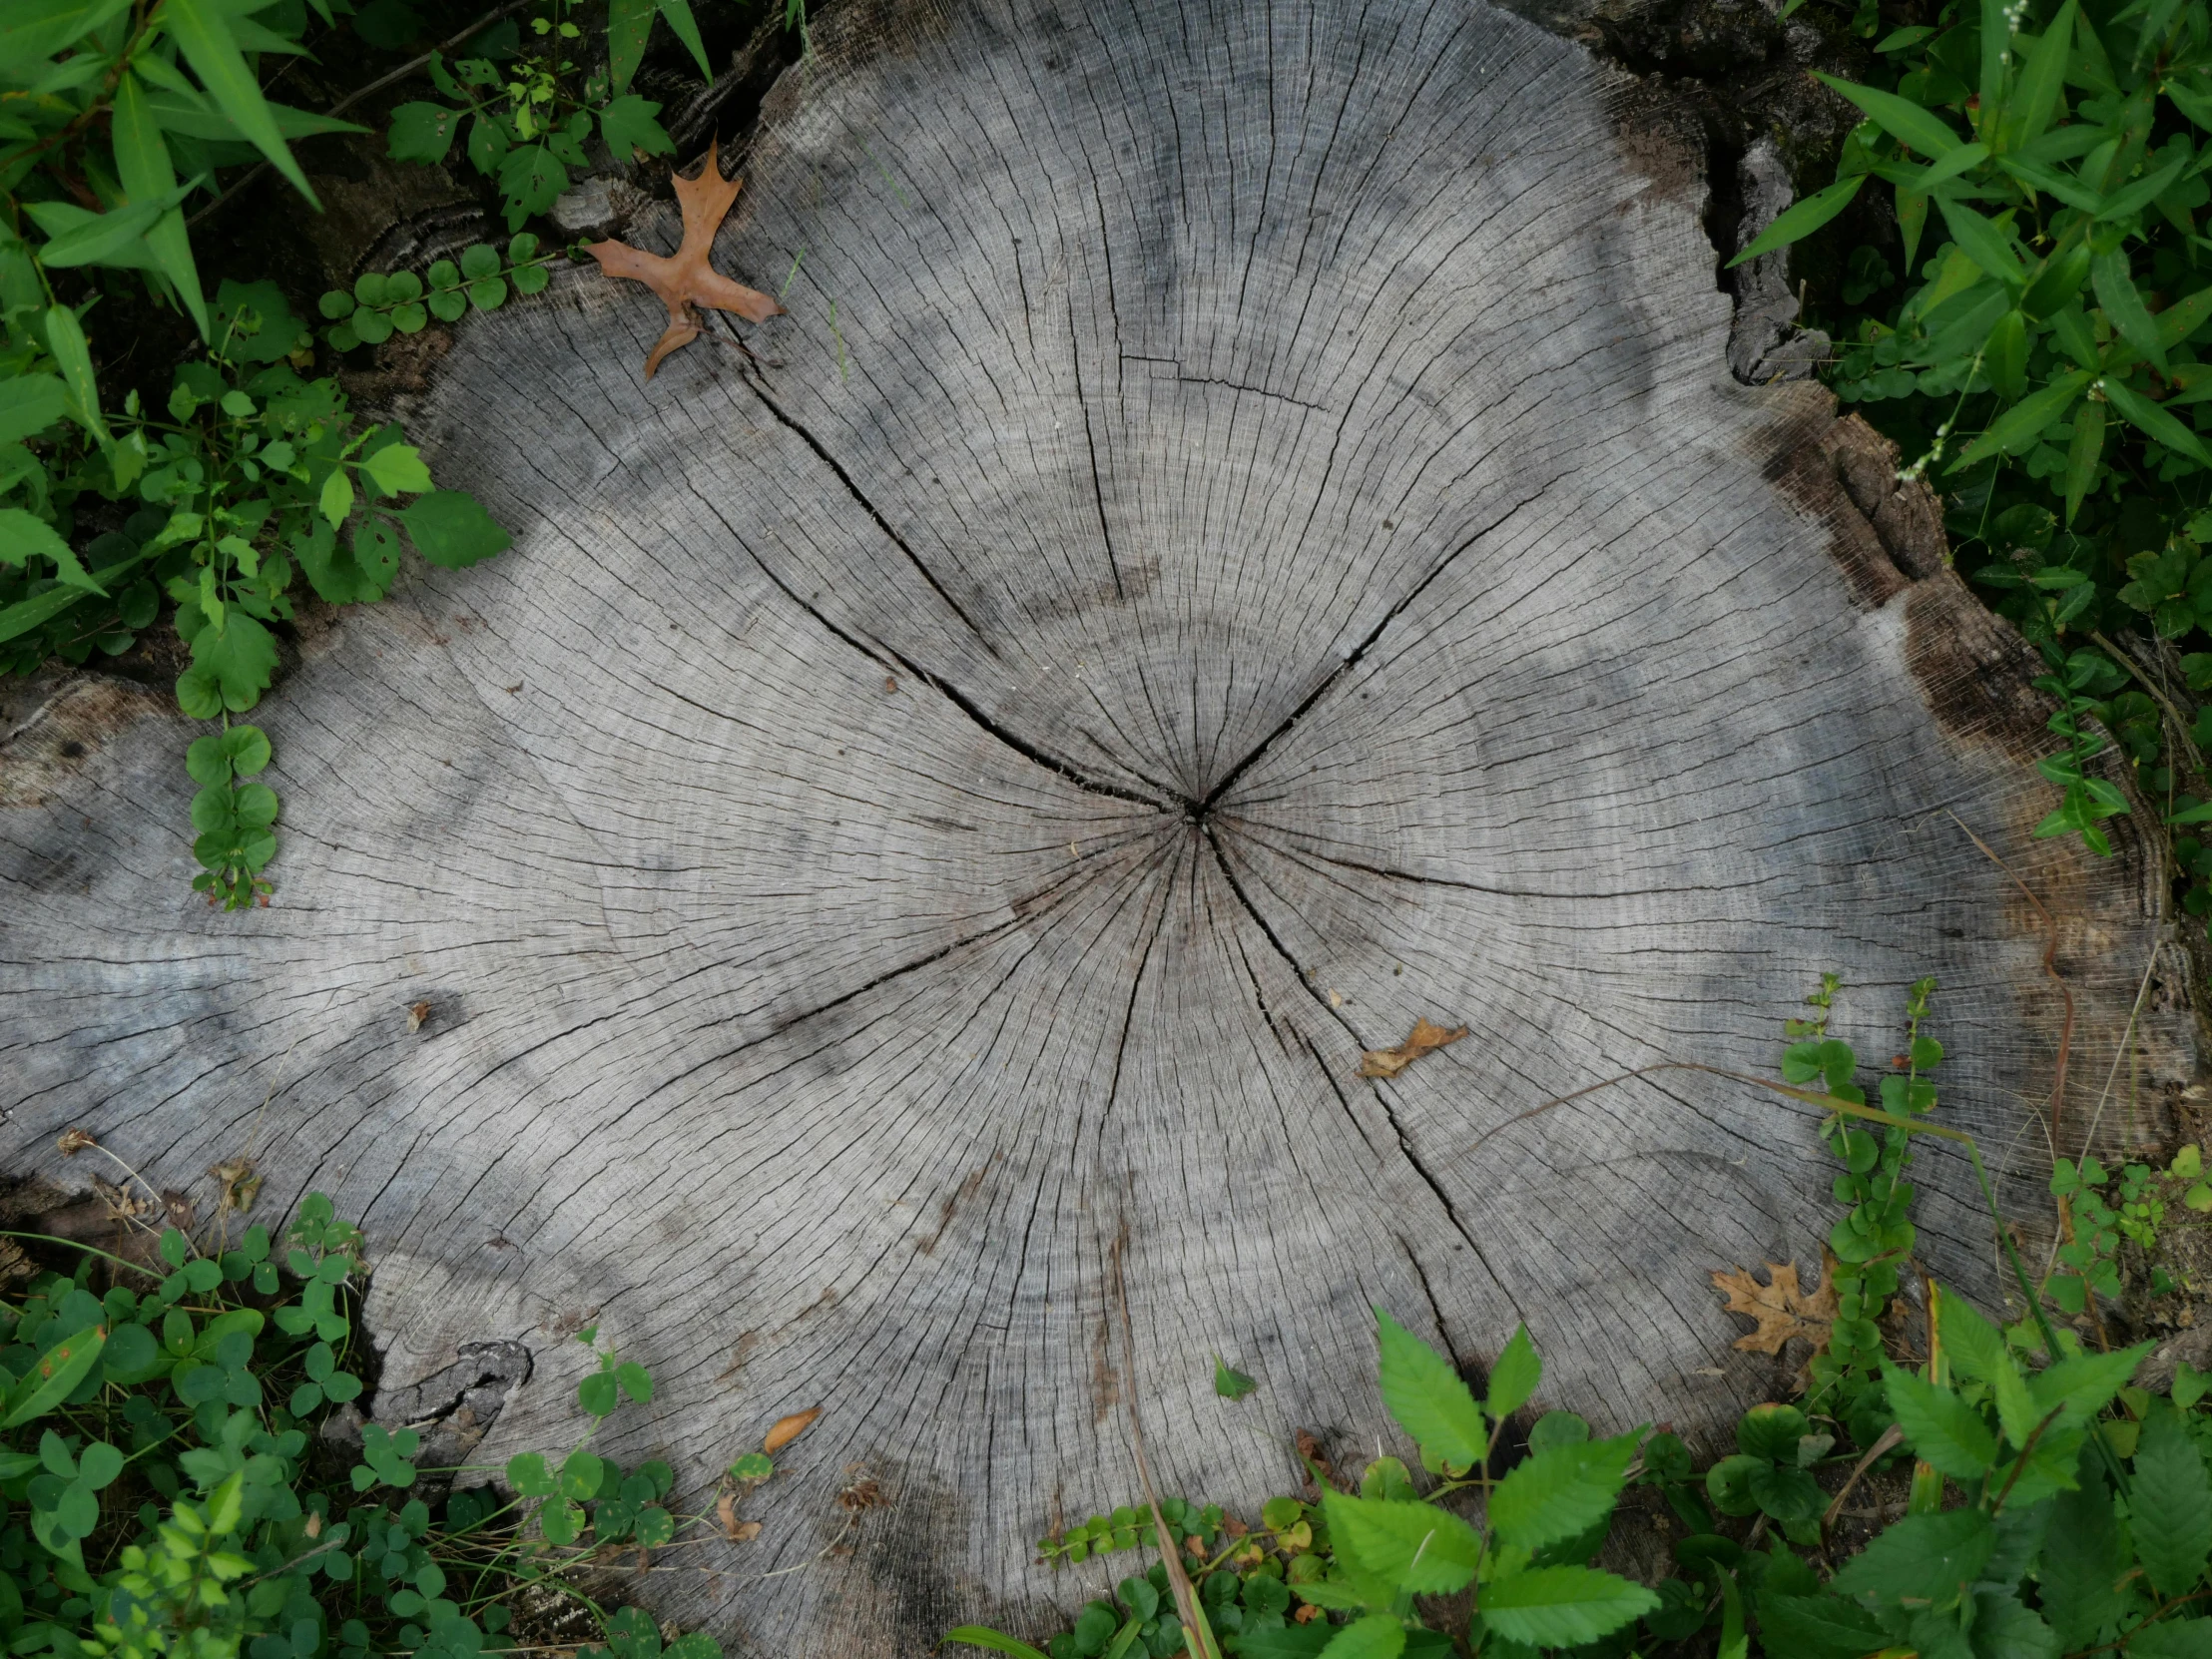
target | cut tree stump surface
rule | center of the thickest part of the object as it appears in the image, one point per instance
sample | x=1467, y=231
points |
x=1245, y=540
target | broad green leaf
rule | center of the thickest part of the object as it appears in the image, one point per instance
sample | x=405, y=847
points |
x=1515, y=1375
x=629, y=22
x=1983, y=241
x=202, y=30
x=679, y=15
x=336, y=502
x=1378, y=1636
x=1561, y=1491
x=2170, y=1503
x=233, y=664
x=977, y=1635
x=2085, y=1558
x=2042, y=84
x=1427, y=1399
x=1562, y=1606
x=529, y=1476
x=1818, y=1627
x=29, y=403
x=1928, y=1558
x=23, y=534
x=2184, y=317
x=1902, y=118
x=1417, y=1546
x=2150, y=417
x=398, y=469
x=1229, y=1383
x=423, y=132
x=141, y=163
x=628, y=123
x=1803, y=218
x=2021, y=426
x=55, y=1375
x=1944, y=1431
x=2116, y=290
x=2172, y=1638
x=2086, y=1383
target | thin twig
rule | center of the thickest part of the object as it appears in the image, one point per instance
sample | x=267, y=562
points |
x=1891, y=1437
x=412, y=66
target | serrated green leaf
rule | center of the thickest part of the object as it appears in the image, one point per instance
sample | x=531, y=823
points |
x=1426, y=1398
x=1562, y=1606
x=1416, y=1546
x=2171, y=1639
x=1924, y=1558
x=1560, y=1491
x=2170, y=1504
x=1378, y=1636
x=24, y=535
x=1944, y=1431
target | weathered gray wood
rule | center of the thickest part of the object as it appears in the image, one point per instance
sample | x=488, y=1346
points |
x=1304, y=411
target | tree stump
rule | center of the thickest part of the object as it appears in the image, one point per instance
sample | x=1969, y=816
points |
x=1245, y=540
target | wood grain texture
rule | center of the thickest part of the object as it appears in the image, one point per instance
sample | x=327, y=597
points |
x=1246, y=538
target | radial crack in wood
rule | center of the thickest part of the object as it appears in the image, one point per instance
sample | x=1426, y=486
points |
x=1246, y=539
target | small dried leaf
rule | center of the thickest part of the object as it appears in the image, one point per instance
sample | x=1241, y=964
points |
x=1780, y=1307
x=416, y=1013
x=788, y=1430
x=687, y=279
x=725, y=1511
x=1426, y=1039
x=74, y=1141
x=745, y=1533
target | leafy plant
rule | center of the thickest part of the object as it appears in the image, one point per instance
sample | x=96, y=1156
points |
x=154, y=1442
x=2047, y=365
x=529, y=120
x=381, y=305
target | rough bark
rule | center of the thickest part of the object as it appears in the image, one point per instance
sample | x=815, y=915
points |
x=1266, y=546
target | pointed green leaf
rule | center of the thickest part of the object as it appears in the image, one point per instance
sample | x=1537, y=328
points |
x=629, y=22
x=1417, y=1546
x=2171, y=1504
x=35, y=29
x=977, y=1635
x=1515, y=1375
x=2141, y=193
x=64, y=338
x=1561, y=1491
x=1801, y=220
x=2042, y=84
x=679, y=15
x=1378, y=1636
x=2082, y=455
x=23, y=534
x=2150, y=417
x=1426, y=1396
x=55, y=1375
x=1562, y=1606
x=1944, y=1431
x=1929, y=1558
x=1229, y=1383
x=1985, y=243
x=202, y=30
x=141, y=163
x=2072, y=191
x=2084, y=1384
x=1903, y=120
x=2021, y=424
x=2116, y=290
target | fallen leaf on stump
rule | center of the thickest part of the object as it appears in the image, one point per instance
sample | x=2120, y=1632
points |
x=788, y=1430
x=1781, y=1309
x=1426, y=1039
x=687, y=280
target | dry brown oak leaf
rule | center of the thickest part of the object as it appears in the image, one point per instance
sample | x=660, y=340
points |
x=686, y=280
x=1781, y=1310
x=1426, y=1038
